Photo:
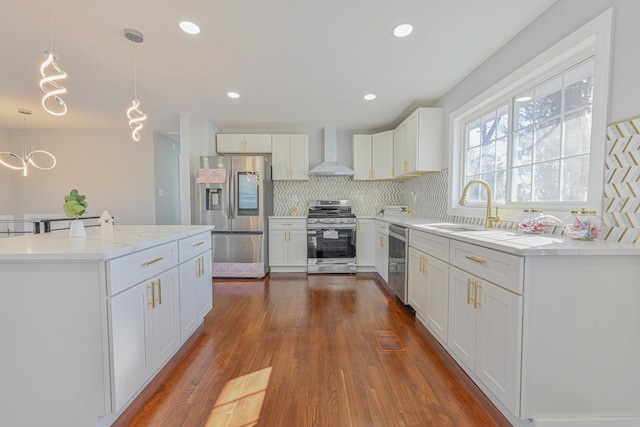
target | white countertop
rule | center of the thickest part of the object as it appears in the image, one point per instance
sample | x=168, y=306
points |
x=514, y=242
x=96, y=246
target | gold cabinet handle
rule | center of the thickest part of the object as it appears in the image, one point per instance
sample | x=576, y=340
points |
x=197, y=244
x=202, y=266
x=159, y=292
x=153, y=261
x=426, y=265
x=198, y=267
x=476, y=304
x=152, y=302
x=476, y=259
x=469, y=290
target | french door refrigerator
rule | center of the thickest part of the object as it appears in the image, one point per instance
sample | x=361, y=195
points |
x=235, y=195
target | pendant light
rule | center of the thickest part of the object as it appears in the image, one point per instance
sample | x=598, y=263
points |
x=51, y=74
x=14, y=161
x=135, y=115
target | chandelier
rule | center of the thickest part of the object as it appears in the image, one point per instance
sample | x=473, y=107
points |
x=22, y=162
x=134, y=113
x=52, y=73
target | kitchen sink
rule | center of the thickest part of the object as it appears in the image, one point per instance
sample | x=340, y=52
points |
x=456, y=227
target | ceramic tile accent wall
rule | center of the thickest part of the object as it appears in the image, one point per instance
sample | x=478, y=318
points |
x=622, y=182
x=365, y=195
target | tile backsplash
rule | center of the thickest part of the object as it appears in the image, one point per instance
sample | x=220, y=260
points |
x=366, y=196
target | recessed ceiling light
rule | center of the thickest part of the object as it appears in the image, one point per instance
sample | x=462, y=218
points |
x=402, y=30
x=233, y=95
x=370, y=97
x=189, y=27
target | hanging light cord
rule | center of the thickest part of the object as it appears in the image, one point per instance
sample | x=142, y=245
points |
x=51, y=100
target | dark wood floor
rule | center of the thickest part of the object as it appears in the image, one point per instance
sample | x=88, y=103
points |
x=323, y=350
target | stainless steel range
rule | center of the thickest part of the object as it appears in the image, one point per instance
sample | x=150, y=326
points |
x=331, y=237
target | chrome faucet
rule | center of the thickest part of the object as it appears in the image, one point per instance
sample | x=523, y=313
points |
x=491, y=220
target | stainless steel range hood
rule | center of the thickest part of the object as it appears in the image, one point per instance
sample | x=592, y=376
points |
x=330, y=166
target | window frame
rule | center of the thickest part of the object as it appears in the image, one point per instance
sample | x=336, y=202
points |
x=593, y=39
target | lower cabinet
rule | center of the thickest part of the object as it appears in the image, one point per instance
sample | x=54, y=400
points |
x=145, y=329
x=287, y=244
x=196, y=293
x=365, y=242
x=381, y=251
x=485, y=334
x=429, y=291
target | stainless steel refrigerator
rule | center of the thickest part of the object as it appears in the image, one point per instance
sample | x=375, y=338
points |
x=235, y=194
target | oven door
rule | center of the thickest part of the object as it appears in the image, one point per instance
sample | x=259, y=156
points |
x=331, y=249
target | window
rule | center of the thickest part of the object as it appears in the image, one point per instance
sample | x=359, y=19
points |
x=537, y=137
x=536, y=147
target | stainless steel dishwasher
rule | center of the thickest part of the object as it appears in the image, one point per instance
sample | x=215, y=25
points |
x=398, y=261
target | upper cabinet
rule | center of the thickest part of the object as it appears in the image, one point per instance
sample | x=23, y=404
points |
x=419, y=143
x=373, y=156
x=229, y=143
x=290, y=158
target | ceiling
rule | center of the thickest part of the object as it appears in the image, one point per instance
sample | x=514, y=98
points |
x=297, y=64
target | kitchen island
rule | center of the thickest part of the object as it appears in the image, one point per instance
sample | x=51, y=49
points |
x=86, y=323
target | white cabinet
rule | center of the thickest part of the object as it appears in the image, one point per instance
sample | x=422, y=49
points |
x=228, y=143
x=428, y=281
x=196, y=292
x=381, y=251
x=419, y=143
x=485, y=321
x=290, y=157
x=373, y=156
x=288, y=244
x=145, y=332
x=365, y=243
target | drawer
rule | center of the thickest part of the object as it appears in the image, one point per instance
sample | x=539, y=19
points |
x=505, y=270
x=129, y=270
x=288, y=224
x=193, y=245
x=430, y=244
x=382, y=227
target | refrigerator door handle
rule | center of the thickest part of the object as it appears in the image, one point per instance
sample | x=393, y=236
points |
x=232, y=193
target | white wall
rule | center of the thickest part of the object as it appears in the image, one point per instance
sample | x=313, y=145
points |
x=114, y=173
x=560, y=20
x=166, y=155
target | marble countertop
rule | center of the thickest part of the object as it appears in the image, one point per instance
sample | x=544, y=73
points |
x=96, y=246
x=514, y=242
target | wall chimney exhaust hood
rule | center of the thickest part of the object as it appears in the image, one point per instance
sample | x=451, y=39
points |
x=330, y=166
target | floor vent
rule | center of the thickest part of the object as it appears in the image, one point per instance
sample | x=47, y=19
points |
x=388, y=341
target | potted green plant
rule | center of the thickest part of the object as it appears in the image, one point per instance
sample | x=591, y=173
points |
x=75, y=205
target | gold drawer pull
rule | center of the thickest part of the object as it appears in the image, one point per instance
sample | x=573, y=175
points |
x=153, y=261
x=197, y=244
x=476, y=259
x=152, y=303
x=159, y=292
x=469, y=291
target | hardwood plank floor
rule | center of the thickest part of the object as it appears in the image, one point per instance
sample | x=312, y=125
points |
x=298, y=350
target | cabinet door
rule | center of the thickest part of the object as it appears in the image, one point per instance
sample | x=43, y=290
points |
x=462, y=317
x=382, y=256
x=365, y=243
x=410, y=144
x=229, y=143
x=297, y=248
x=437, y=298
x=397, y=150
x=281, y=157
x=299, y=157
x=382, y=155
x=131, y=352
x=277, y=248
x=362, y=157
x=416, y=282
x=189, y=271
x=204, y=287
x=498, y=343
x=257, y=143
x=165, y=316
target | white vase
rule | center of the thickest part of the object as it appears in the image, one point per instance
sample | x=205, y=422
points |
x=76, y=228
